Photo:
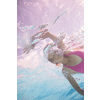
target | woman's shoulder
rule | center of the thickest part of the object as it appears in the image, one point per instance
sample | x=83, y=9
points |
x=67, y=52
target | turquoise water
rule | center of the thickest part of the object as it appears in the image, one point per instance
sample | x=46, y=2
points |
x=34, y=85
x=38, y=79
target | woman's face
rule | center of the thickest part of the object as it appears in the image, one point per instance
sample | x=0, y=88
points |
x=55, y=57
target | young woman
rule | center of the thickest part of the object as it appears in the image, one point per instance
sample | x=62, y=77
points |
x=73, y=62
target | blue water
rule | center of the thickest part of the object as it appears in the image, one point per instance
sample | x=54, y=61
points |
x=38, y=79
x=46, y=86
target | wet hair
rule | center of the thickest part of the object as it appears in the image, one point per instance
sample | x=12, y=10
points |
x=49, y=49
x=50, y=59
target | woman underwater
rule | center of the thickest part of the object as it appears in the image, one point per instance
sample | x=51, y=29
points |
x=73, y=61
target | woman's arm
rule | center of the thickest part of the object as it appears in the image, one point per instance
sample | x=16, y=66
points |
x=54, y=38
x=73, y=82
x=38, y=34
x=43, y=35
x=49, y=35
x=31, y=45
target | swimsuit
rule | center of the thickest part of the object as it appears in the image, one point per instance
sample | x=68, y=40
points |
x=80, y=67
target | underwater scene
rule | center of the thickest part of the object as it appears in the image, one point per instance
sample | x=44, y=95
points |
x=37, y=78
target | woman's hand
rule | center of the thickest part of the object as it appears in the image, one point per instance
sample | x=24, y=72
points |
x=38, y=34
x=28, y=47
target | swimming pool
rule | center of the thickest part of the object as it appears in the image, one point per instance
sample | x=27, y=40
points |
x=38, y=79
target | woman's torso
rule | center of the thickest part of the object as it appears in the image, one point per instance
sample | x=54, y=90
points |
x=75, y=62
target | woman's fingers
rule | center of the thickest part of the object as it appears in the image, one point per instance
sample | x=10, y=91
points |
x=25, y=49
x=28, y=50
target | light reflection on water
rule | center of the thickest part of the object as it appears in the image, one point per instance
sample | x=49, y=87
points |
x=37, y=78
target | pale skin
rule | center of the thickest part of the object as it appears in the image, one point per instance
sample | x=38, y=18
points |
x=71, y=60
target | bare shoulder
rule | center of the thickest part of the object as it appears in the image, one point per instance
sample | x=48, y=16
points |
x=67, y=52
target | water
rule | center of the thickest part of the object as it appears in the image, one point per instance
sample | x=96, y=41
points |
x=38, y=79
x=45, y=83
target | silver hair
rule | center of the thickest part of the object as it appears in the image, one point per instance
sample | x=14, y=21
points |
x=50, y=49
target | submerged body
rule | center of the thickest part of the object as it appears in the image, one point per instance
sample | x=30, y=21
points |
x=73, y=62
